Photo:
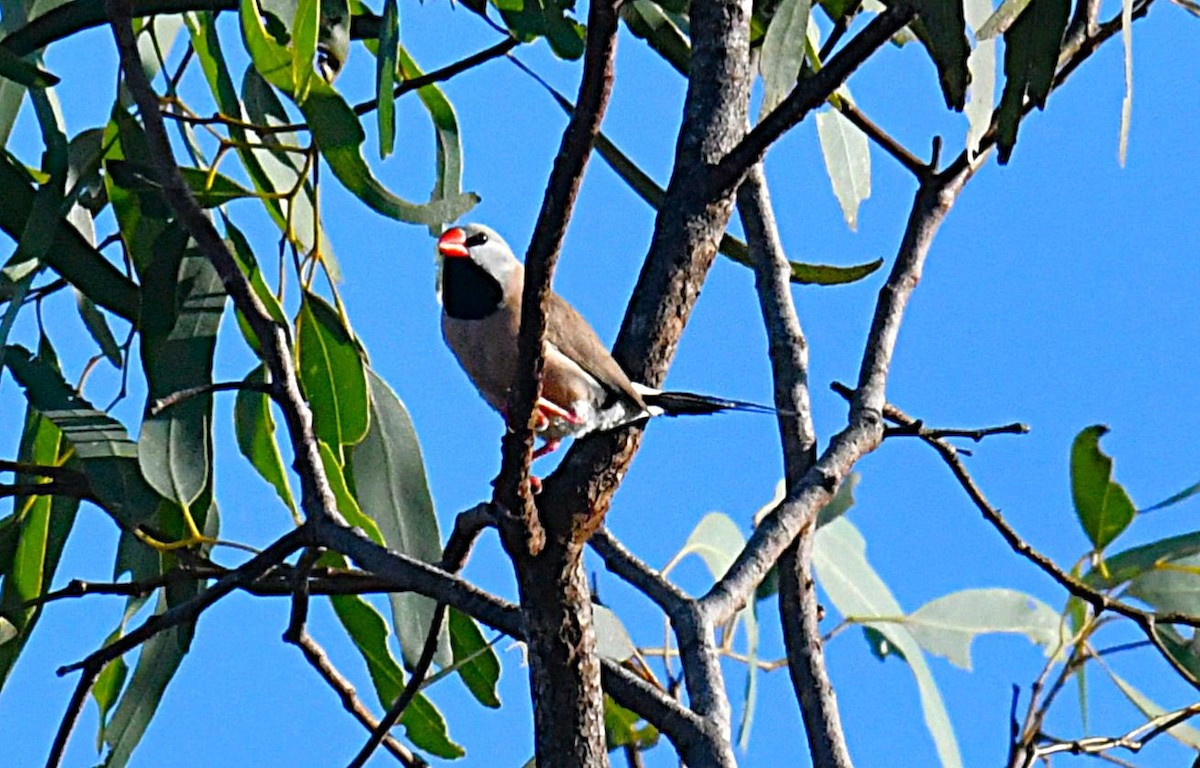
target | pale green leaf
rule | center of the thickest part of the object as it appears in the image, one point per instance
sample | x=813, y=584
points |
x=847, y=160
x=947, y=626
x=855, y=589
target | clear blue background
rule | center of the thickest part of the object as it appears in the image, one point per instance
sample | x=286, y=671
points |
x=1062, y=291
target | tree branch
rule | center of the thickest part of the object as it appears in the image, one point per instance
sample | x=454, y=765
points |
x=316, y=496
x=808, y=94
x=799, y=608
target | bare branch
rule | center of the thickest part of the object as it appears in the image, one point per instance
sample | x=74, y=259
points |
x=799, y=609
x=319, y=660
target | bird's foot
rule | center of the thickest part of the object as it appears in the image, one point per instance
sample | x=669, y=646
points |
x=548, y=446
x=549, y=410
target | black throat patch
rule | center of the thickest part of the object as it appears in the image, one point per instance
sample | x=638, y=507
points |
x=468, y=291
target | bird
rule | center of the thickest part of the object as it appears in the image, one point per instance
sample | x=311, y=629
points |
x=584, y=389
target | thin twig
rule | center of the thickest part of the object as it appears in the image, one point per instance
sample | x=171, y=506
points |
x=175, y=398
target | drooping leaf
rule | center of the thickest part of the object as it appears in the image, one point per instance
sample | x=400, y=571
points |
x=385, y=77
x=21, y=71
x=40, y=526
x=1185, y=734
x=1127, y=565
x=612, y=639
x=1174, y=499
x=530, y=19
x=304, y=45
x=423, y=724
x=108, y=687
x=853, y=586
x=244, y=256
x=1102, y=505
x=160, y=658
x=346, y=502
x=941, y=28
x=142, y=214
x=783, y=52
x=97, y=325
x=255, y=430
x=445, y=125
x=1031, y=47
x=272, y=169
x=1173, y=587
x=389, y=477
x=337, y=132
x=847, y=161
x=947, y=626
x=621, y=728
x=332, y=373
x=176, y=442
x=476, y=662
x=69, y=254
x=982, y=68
x=665, y=32
x=107, y=456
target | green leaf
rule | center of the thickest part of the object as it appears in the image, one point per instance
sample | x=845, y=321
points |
x=69, y=254
x=612, y=639
x=346, y=502
x=97, y=325
x=1183, y=495
x=947, y=626
x=476, y=662
x=385, y=77
x=106, y=690
x=389, y=478
x=423, y=724
x=1185, y=734
x=40, y=528
x=244, y=256
x=337, y=132
x=160, y=658
x=304, y=45
x=718, y=541
x=210, y=189
x=107, y=456
x=271, y=169
x=445, y=126
x=647, y=189
x=529, y=19
x=783, y=52
x=941, y=28
x=18, y=70
x=176, y=443
x=333, y=374
x=981, y=65
x=1173, y=587
x=663, y=31
x=853, y=586
x=847, y=160
x=1127, y=565
x=1102, y=505
x=255, y=430
x=621, y=728
x=1031, y=48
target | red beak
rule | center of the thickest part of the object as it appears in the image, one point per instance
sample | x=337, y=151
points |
x=453, y=243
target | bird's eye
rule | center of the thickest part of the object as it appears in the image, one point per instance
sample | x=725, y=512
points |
x=479, y=238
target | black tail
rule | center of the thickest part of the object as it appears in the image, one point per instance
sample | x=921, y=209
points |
x=690, y=404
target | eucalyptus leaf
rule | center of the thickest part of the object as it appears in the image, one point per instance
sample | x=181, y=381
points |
x=1103, y=507
x=853, y=586
x=847, y=160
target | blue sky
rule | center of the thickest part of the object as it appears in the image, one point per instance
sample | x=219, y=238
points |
x=1062, y=292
